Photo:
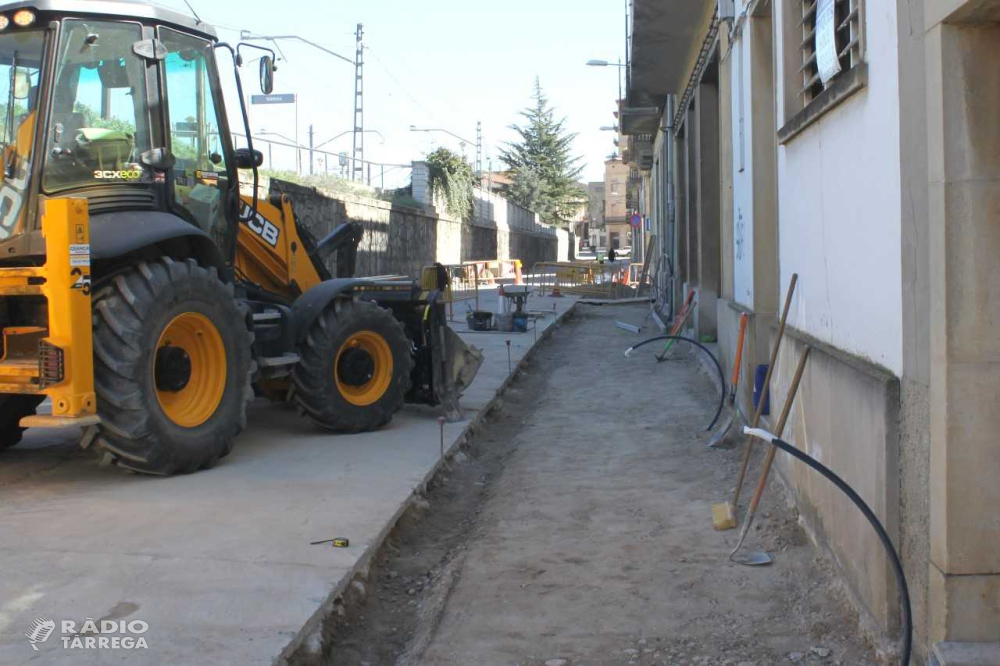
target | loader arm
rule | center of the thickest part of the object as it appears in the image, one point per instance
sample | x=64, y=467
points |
x=274, y=255
x=271, y=253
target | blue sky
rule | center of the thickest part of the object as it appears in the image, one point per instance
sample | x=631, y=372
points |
x=438, y=63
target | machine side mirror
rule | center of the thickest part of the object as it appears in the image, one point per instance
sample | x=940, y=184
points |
x=22, y=84
x=247, y=159
x=267, y=74
x=150, y=49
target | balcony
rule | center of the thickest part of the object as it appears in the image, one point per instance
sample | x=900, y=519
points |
x=665, y=41
x=638, y=152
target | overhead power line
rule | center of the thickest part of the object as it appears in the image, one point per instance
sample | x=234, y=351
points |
x=401, y=87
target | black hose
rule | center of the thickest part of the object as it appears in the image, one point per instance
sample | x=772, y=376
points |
x=897, y=566
x=722, y=376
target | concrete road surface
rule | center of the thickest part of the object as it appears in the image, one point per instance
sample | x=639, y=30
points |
x=217, y=565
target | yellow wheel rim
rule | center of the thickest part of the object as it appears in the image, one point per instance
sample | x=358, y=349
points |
x=190, y=369
x=363, y=368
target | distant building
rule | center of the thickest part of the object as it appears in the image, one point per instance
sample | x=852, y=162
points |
x=595, y=232
x=616, y=211
x=495, y=181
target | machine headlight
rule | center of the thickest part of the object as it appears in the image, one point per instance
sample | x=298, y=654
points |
x=24, y=17
x=4, y=22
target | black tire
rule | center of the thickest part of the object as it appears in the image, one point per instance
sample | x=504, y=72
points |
x=12, y=409
x=130, y=314
x=315, y=376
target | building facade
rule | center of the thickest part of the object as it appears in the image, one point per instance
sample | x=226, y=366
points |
x=596, y=235
x=616, y=211
x=854, y=144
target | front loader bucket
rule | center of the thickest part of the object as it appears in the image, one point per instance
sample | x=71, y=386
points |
x=456, y=365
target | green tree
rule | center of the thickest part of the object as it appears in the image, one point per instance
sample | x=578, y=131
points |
x=527, y=188
x=544, y=168
x=452, y=178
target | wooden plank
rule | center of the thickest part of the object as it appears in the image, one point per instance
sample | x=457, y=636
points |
x=645, y=265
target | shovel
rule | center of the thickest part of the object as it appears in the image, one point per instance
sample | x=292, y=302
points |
x=720, y=435
x=765, y=388
x=760, y=558
x=679, y=322
x=755, y=559
x=678, y=327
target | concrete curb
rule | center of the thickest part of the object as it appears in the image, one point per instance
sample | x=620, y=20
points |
x=614, y=301
x=308, y=642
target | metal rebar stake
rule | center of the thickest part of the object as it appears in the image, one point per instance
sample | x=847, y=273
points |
x=441, y=422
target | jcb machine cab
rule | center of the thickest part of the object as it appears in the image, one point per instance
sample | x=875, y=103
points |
x=140, y=291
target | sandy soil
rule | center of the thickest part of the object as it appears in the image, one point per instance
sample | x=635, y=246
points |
x=576, y=529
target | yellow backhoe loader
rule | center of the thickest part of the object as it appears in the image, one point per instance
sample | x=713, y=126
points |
x=140, y=291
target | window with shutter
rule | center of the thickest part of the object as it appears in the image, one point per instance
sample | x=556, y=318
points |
x=805, y=86
x=847, y=22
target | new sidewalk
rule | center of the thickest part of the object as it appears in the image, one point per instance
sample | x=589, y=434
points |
x=218, y=563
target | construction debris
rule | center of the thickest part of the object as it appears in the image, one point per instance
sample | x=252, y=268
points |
x=628, y=327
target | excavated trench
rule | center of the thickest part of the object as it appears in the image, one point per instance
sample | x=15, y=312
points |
x=575, y=528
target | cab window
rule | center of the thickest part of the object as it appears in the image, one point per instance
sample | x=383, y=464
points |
x=100, y=119
x=20, y=64
x=200, y=175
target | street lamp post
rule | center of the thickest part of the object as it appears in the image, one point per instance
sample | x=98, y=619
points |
x=605, y=63
x=298, y=148
x=326, y=165
x=479, y=144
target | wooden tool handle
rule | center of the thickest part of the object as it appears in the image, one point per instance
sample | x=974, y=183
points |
x=682, y=315
x=744, y=318
x=782, y=420
x=765, y=390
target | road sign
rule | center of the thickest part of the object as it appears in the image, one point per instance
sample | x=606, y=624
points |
x=287, y=98
x=636, y=220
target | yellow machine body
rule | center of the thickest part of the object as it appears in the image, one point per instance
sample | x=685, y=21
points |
x=204, y=297
x=56, y=361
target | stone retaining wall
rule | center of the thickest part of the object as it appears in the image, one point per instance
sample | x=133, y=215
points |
x=400, y=240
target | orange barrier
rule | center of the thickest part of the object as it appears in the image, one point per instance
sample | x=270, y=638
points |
x=583, y=278
x=465, y=279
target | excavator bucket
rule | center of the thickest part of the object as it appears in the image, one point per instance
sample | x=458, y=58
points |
x=456, y=365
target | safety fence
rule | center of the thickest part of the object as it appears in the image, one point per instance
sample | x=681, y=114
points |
x=634, y=274
x=590, y=279
x=472, y=281
x=286, y=154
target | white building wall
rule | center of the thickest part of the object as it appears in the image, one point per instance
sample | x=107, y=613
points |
x=839, y=208
x=743, y=287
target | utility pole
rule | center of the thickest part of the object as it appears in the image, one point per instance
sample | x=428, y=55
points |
x=358, y=167
x=312, y=158
x=479, y=148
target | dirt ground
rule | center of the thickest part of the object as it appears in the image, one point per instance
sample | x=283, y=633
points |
x=576, y=529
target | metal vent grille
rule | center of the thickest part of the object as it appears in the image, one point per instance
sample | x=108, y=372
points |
x=51, y=364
